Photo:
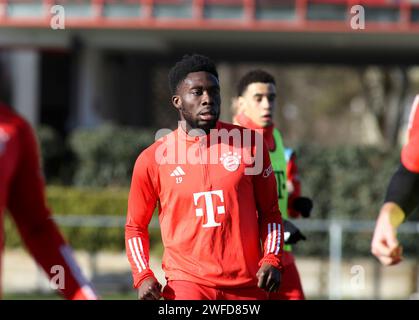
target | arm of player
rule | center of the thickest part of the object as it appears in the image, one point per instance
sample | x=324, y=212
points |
x=270, y=225
x=293, y=185
x=403, y=189
x=141, y=204
x=385, y=245
x=401, y=199
x=27, y=205
x=298, y=206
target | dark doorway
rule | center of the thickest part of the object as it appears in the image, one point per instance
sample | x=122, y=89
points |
x=55, y=89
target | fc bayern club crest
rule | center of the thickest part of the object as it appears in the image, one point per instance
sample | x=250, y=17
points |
x=230, y=161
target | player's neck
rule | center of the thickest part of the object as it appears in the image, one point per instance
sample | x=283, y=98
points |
x=194, y=132
x=244, y=121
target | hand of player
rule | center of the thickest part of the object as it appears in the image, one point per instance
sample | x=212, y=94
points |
x=385, y=245
x=303, y=205
x=150, y=289
x=269, y=277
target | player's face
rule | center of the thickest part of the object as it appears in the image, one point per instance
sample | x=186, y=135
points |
x=198, y=101
x=258, y=102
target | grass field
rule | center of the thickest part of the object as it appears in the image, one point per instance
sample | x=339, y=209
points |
x=41, y=296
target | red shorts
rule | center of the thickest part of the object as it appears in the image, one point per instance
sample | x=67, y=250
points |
x=291, y=288
x=186, y=290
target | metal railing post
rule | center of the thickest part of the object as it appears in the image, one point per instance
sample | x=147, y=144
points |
x=335, y=260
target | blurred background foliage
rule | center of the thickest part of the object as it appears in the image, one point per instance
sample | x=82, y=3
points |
x=106, y=155
x=87, y=201
x=100, y=157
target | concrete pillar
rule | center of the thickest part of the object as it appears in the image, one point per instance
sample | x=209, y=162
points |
x=88, y=88
x=25, y=78
x=228, y=85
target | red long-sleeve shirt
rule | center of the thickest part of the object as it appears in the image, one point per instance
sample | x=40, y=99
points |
x=211, y=231
x=22, y=193
x=410, y=151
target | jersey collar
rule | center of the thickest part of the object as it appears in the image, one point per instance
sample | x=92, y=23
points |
x=184, y=136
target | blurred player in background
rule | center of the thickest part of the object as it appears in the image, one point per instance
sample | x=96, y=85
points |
x=216, y=246
x=254, y=107
x=22, y=194
x=402, y=197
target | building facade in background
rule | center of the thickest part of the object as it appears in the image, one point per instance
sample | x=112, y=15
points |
x=108, y=60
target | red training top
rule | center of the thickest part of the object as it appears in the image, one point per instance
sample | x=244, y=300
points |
x=410, y=152
x=211, y=231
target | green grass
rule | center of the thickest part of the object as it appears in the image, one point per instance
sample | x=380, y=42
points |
x=48, y=296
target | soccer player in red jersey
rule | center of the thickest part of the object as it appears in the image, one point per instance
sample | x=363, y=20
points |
x=22, y=193
x=220, y=223
x=254, y=107
x=402, y=196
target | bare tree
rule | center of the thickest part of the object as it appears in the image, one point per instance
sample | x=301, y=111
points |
x=385, y=90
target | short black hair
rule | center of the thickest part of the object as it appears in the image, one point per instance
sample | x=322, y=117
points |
x=253, y=77
x=190, y=63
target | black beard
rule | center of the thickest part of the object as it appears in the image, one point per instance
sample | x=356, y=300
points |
x=198, y=124
x=207, y=125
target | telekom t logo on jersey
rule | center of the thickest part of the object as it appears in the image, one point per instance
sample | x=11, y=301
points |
x=209, y=206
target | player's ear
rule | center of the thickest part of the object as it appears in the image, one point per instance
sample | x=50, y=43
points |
x=177, y=102
x=240, y=104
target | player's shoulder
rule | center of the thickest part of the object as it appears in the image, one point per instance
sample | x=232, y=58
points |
x=289, y=154
x=230, y=127
x=277, y=133
x=249, y=137
x=148, y=153
x=9, y=116
x=410, y=154
x=158, y=149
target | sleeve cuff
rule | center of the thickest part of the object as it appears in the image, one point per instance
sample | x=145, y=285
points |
x=141, y=277
x=272, y=260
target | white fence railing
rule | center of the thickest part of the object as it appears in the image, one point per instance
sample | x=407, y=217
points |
x=334, y=228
